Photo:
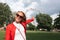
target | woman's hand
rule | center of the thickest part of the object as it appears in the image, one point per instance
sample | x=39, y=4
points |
x=33, y=18
x=30, y=20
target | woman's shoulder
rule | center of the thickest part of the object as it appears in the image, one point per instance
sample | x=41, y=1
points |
x=9, y=26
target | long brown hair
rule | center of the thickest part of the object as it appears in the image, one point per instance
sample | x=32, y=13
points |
x=24, y=17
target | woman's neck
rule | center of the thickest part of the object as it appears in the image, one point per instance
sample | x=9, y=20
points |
x=17, y=22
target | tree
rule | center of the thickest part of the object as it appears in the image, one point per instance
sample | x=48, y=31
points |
x=5, y=13
x=31, y=26
x=57, y=22
x=44, y=21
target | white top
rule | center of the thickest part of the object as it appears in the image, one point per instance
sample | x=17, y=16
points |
x=18, y=35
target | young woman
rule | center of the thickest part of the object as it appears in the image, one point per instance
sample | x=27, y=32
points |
x=17, y=29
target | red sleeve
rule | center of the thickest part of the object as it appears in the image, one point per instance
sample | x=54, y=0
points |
x=7, y=36
x=29, y=20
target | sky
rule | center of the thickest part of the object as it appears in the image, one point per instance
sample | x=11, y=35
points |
x=32, y=7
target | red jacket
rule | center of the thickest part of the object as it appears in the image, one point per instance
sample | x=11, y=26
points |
x=10, y=29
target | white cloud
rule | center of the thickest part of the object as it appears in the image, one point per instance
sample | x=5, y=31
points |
x=54, y=16
x=17, y=6
x=44, y=1
x=33, y=5
x=2, y=1
x=32, y=8
x=46, y=6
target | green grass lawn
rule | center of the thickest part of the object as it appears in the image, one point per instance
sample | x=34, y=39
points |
x=37, y=35
x=2, y=33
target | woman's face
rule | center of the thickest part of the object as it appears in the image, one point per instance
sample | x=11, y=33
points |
x=19, y=17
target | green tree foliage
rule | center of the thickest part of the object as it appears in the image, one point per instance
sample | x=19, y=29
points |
x=5, y=13
x=44, y=21
x=57, y=22
x=31, y=26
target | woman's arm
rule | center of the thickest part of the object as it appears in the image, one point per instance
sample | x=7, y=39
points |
x=7, y=36
x=29, y=20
